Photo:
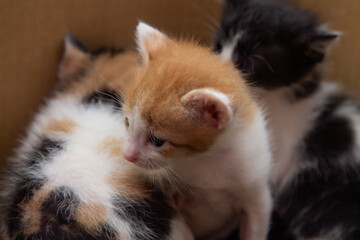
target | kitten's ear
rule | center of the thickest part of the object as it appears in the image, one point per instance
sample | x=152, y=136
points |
x=209, y=107
x=74, y=57
x=150, y=41
x=321, y=41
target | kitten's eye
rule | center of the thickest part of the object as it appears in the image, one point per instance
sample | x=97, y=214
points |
x=127, y=121
x=157, y=141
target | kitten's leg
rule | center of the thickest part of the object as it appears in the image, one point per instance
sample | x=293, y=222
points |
x=257, y=208
x=180, y=230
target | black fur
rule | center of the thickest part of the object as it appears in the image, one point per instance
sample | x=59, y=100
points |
x=307, y=88
x=331, y=136
x=153, y=213
x=105, y=96
x=280, y=47
x=60, y=205
x=321, y=199
x=100, y=51
x=25, y=189
x=279, y=229
x=275, y=47
x=83, y=70
x=57, y=220
x=76, y=76
x=324, y=196
x=112, y=52
x=44, y=151
x=28, y=184
x=76, y=43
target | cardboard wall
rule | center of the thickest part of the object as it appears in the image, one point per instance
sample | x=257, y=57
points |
x=31, y=34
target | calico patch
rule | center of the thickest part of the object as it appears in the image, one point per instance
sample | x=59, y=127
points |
x=28, y=183
x=59, y=188
x=152, y=212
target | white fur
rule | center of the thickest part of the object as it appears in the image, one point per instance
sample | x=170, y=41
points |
x=219, y=95
x=180, y=230
x=286, y=129
x=231, y=176
x=143, y=32
x=288, y=122
x=85, y=166
x=228, y=48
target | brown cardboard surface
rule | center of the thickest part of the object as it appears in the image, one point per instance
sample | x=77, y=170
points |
x=31, y=35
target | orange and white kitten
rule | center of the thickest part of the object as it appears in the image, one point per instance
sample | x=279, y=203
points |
x=190, y=113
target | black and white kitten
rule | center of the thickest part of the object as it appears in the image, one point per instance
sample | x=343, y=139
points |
x=315, y=126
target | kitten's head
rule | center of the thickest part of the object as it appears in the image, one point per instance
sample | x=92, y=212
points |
x=274, y=43
x=183, y=97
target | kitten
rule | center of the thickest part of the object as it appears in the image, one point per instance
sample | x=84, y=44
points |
x=68, y=179
x=314, y=125
x=190, y=113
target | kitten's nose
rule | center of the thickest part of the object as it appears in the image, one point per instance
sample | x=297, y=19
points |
x=131, y=153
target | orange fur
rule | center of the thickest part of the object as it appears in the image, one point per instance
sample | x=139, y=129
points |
x=113, y=146
x=91, y=215
x=31, y=217
x=65, y=125
x=128, y=185
x=125, y=184
x=106, y=71
x=175, y=68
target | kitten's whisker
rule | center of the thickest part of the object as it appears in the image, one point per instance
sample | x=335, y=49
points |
x=252, y=65
x=263, y=59
x=208, y=15
x=113, y=99
x=107, y=82
x=210, y=27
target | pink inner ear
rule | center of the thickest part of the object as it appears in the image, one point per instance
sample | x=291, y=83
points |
x=209, y=108
x=215, y=115
x=211, y=115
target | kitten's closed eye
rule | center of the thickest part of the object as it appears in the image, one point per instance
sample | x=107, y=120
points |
x=127, y=122
x=158, y=142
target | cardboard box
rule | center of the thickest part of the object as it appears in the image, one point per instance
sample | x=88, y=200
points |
x=31, y=34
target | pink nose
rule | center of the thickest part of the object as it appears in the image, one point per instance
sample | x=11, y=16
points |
x=130, y=158
x=131, y=154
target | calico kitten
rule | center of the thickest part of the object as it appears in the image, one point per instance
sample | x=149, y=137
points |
x=68, y=179
x=314, y=125
x=190, y=113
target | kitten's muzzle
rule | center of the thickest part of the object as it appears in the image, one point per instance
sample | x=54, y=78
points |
x=131, y=153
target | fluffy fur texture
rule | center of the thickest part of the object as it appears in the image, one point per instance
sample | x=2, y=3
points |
x=314, y=125
x=190, y=114
x=68, y=179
